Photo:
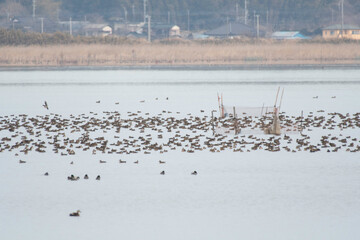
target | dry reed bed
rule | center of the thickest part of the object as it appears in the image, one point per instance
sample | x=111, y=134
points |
x=181, y=54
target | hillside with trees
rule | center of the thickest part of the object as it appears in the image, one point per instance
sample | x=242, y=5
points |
x=306, y=15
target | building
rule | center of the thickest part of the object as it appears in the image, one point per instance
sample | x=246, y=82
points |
x=232, y=29
x=97, y=30
x=160, y=30
x=127, y=28
x=174, y=31
x=287, y=35
x=338, y=31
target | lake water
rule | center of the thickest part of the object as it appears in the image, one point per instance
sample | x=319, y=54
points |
x=249, y=195
x=189, y=91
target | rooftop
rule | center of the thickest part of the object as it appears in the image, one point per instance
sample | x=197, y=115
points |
x=345, y=27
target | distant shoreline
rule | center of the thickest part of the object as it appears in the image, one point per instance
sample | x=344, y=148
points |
x=268, y=55
x=183, y=67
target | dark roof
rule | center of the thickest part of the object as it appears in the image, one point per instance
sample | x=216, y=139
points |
x=158, y=26
x=233, y=29
x=345, y=27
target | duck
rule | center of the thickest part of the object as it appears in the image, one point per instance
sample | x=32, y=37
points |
x=136, y=162
x=161, y=162
x=86, y=176
x=101, y=161
x=46, y=174
x=121, y=161
x=162, y=173
x=98, y=177
x=194, y=173
x=73, y=178
x=75, y=214
x=21, y=161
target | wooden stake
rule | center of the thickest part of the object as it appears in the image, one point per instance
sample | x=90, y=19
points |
x=212, y=122
x=222, y=106
x=301, y=120
x=235, y=122
x=281, y=99
x=277, y=94
x=219, y=103
x=262, y=109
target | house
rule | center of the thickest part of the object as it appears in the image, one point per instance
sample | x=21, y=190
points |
x=338, y=31
x=198, y=36
x=234, y=29
x=97, y=30
x=160, y=30
x=127, y=28
x=287, y=35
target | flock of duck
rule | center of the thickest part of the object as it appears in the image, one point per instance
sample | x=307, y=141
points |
x=139, y=133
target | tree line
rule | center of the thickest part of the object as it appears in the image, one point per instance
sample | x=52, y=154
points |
x=200, y=14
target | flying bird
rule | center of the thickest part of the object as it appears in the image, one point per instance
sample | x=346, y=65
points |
x=46, y=105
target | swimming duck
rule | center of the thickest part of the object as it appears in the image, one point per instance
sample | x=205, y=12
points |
x=86, y=176
x=75, y=214
x=98, y=177
x=162, y=173
x=194, y=173
x=161, y=162
x=73, y=178
x=21, y=161
x=46, y=174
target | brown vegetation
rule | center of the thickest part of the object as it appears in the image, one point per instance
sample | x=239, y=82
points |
x=181, y=53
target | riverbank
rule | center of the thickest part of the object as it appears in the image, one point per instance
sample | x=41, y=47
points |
x=183, y=54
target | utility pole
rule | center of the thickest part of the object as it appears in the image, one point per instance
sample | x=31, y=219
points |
x=188, y=22
x=125, y=12
x=246, y=13
x=257, y=26
x=254, y=18
x=149, y=28
x=342, y=18
x=42, y=24
x=70, y=26
x=133, y=12
x=145, y=11
x=34, y=9
x=237, y=12
x=267, y=17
